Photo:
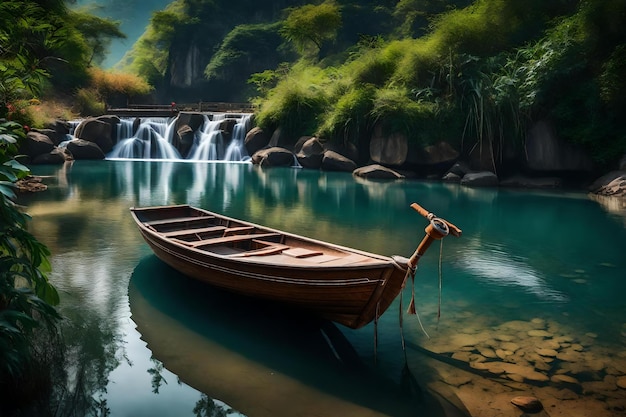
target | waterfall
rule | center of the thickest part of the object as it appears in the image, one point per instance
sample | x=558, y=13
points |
x=236, y=150
x=155, y=139
x=150, y=142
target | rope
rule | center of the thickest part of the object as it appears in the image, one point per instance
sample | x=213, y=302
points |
x=440, y=280
x=376, y=335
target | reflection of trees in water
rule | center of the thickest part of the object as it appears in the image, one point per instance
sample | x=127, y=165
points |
x=91, y=355
x=157, y=377
x=207, y=407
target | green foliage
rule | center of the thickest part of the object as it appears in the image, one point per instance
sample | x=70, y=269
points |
x=87, y=102
x=399, y=113
x=97, y=33
x=296, y=101
x=348, y=120
x=309, y=26
x=26, y=296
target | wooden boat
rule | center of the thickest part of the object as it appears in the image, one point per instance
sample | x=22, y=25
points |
x=341, y=284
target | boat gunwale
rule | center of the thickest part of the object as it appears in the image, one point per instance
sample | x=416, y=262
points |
x=375, y=261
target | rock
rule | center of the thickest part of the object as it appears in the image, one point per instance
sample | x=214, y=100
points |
x=310, y=152
x=83, y=149
x=621, y=382
x=96, y=131
x=256, y=139
x=57, y=156
x=460, y=169
x=30, y=184
x=451, y=177
x=611, y=184
x=54, y=136
x=388, y=149
x=546, y=352
x=545, y=152
x=564, y=378
x=480, y=179
x=333, y=161
x=539, y=333
x=274, y=156
x=37, y=144
x=377, y=172
x=527, y=404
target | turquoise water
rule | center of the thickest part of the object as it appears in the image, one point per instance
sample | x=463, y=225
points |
x=527, y=262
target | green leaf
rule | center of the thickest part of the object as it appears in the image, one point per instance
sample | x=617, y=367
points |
x=7, y=138
x=6, y=188
x=17, y=166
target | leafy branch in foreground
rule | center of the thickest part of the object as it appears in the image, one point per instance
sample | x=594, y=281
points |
x=27, y=298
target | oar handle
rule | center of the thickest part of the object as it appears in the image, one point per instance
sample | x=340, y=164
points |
x=455, y=231
x=437, y=229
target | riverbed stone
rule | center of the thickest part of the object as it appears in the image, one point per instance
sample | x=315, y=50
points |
x=562, y=378
x=546, y=352
x=527, y=404
x=539, y=333
x=487, y=352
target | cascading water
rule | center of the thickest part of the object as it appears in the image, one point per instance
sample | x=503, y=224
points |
x=150, y=141
x=154, y=139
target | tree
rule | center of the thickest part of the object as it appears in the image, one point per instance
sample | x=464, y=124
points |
x=310, y=26
x=97, y=33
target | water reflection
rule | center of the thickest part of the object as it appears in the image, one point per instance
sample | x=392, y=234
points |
x=495, y=263
x=259, y=358
x=546, y=263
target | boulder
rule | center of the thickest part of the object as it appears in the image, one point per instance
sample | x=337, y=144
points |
x=191, y=119
x=612, y=184
x=96, y=131
x=311, y=153
x=37, y=144
x=57, y=156
x=54, y=136
x=388, y=149
x=480, y=179
x=377, y=172
x=256, y=139
x=440, y=154
x=460, y=169
x=545, y=151
x=333, y=161
x=84, y=149
x=451, y=177
x=274, y=156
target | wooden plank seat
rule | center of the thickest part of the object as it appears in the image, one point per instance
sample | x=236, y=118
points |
x=269, y=248
x=230, y=231
x=227, y=239
x=188, y=232
x=177, y=220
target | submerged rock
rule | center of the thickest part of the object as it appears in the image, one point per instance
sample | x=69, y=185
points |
x=527, y=404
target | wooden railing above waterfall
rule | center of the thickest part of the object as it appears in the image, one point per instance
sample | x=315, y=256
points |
x=172, y=109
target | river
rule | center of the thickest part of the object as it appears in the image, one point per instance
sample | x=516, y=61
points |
x=529, y=301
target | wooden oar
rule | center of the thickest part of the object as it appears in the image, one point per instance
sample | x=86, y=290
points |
x=437, y=229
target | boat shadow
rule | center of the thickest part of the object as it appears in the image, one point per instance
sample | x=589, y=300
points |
x=260, y=358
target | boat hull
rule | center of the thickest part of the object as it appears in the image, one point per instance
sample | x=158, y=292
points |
x=353, y=290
